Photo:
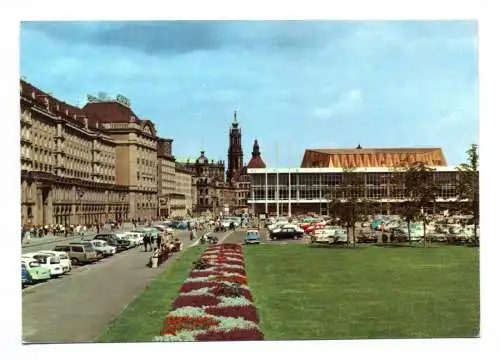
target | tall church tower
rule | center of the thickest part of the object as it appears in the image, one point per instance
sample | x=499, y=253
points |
x=235, y=152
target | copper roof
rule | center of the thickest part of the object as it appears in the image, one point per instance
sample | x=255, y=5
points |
x=256, y=161
x=372, y=157
x=52, y=105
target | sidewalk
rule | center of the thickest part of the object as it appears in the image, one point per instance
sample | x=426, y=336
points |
x=51, y=238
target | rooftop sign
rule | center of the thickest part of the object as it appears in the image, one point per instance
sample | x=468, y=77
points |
x=103, y=97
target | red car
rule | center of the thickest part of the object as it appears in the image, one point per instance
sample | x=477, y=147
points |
x=312, y=228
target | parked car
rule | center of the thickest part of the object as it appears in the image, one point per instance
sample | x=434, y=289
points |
x=87, y=242
x=65, y=261
x=113, y=240
x=288, y=226
x=102, y=247
x=35, y=270
x=51, y=262
x=25, y=275
x=286, y=233
x=125, y=237
x=252, y=237
x=136, y=237
x=79, y=253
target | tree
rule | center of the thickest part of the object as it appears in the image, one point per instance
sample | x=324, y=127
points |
x=419, y=190
x=468, y=185
x=348, y=200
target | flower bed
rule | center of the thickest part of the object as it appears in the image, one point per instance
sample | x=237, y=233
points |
x=214, y=303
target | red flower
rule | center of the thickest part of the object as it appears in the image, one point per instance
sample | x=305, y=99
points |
x=172, y=324
x=233, y=270
x=233, y=279
x=204, y=273
x=219, y=290
x=247, y=312
x=195, y=301
x=235, y=335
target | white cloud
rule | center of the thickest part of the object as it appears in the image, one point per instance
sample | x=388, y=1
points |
x=347, y=103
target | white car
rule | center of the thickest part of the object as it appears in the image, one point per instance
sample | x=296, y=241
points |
x=103, y=247
x=135, y=237
x=51, y=262
x=124, y=236
x=164, y=229
x=65, y=260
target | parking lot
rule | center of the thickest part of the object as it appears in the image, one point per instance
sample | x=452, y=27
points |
x=78, y=305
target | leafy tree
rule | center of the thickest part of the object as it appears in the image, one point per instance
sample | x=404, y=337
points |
x=419, y=190
x=468, y=185
x=348, y=200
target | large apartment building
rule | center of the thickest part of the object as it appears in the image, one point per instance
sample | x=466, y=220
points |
x=91, y=164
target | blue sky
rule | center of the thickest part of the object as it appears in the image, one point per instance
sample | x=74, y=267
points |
x=295, y=85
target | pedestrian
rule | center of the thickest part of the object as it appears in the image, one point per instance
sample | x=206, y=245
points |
x=146, y=241
x=158, y=240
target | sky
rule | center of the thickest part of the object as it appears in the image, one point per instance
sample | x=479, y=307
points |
x=295, y=84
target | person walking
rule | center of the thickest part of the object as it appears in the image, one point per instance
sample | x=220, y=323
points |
x=146, y=241
x=158, y=240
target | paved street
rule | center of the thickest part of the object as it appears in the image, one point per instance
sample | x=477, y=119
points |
x=78, y=306
x=49, y=242
x=238, y=237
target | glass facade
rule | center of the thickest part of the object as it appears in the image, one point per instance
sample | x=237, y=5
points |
x=298, y=186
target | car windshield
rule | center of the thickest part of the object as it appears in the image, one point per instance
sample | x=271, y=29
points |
x=63, y=256
x=34, y=264
x=41, y=258
x=88, y=248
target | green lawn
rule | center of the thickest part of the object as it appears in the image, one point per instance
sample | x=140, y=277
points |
x=324, y=293
x=143, y=318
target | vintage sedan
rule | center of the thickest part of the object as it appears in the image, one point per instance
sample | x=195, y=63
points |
x=286, y=233
x=252, y=237
x=65, y=261
x=25, y=275
x=35, y=270
x=102, y=247
x=50, y=262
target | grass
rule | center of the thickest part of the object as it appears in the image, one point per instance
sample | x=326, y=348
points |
x=317, y=293
x=143, y=318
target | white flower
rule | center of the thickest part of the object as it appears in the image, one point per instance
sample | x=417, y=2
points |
x=197, y=279
x=186, y=335
x=201, y=291
x=190, y=311
x=234, y=301
x=233, y=266
x=230, y=323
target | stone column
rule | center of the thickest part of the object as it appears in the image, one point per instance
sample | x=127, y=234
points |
x=73, y=220
x=38, y=210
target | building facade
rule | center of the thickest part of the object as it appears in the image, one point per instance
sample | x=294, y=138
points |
x=68, y=166
x=304, y=190
x=181, y=198
x=207, y=176
x=166, y=177
x=92, y=164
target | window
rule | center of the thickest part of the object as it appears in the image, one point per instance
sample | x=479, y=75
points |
x=78, y=249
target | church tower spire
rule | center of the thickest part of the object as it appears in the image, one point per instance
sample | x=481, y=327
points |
x=235, y=151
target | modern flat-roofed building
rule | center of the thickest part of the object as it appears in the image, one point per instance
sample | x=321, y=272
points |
x=308, y=189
